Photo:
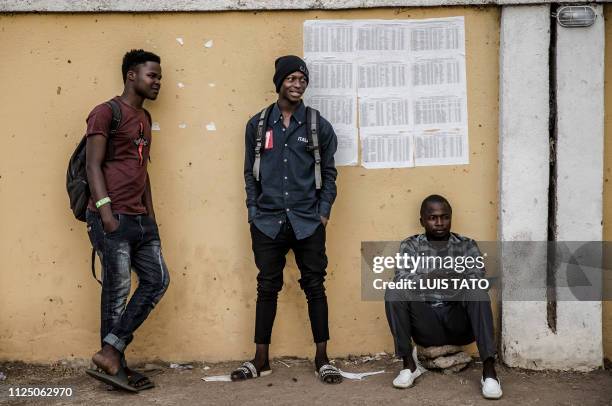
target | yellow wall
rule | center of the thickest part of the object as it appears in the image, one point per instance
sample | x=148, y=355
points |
x=607, y=201
x=55, y=68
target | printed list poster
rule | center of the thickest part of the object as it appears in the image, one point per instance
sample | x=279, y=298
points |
x=397, y=88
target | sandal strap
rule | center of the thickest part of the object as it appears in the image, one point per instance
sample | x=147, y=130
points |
x=250, y=368
x=136, y=378
x=329, y=370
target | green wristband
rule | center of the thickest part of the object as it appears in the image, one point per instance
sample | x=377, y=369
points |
x=102, y=202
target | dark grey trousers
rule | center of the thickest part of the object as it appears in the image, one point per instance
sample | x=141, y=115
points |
x=456, y=323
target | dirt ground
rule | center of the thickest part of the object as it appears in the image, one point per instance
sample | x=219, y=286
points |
x=293, y=383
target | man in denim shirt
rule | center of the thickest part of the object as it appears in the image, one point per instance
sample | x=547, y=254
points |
x=287, y=211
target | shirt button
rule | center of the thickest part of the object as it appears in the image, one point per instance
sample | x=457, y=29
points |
x=283, y=129
x=286, y=193
x=285, y=144
x=287, y=209
x=285, y=160
x=285, y=178
x=299, y=122
x=280, y=221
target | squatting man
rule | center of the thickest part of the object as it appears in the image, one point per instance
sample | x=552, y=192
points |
x=440, y=315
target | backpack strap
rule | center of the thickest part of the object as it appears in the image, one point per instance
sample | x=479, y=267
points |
x=115, y=121
x=148, y=116
x=150, y=123
x=312, y=124
x=261, y=129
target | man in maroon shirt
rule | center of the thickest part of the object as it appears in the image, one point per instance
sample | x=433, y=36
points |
x=121, y=220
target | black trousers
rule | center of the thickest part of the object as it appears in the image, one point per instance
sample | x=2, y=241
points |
x=270, y=260
x=456, y=323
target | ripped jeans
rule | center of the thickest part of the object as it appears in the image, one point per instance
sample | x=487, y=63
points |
x=135, y=244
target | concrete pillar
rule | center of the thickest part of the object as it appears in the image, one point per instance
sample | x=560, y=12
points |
x=580, y=147
x=527, y=341
x=524, y=177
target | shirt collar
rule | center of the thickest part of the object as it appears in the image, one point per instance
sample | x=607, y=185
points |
x=453, y=239
x=299, y=114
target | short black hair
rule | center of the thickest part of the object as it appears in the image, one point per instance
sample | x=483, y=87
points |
x=135, y=57
x=434, y=199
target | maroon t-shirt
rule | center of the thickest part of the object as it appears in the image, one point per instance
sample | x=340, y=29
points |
x=126, y=174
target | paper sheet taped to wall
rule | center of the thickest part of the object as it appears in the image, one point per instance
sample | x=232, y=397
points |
x=399, y=84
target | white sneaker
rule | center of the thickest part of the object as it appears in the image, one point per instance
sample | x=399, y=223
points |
x=491, y=388
x=406, y=377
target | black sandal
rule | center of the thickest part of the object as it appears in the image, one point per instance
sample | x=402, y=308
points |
x=120, y=380
x=329, y=374
x=138, y=380
x=248, y=371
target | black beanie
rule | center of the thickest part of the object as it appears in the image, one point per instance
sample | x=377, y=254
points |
x=285, y=66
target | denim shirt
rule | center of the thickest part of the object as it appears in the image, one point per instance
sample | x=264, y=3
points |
x=286, y=190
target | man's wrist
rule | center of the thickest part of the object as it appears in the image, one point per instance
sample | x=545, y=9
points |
x=105, y=200
x=106, y=220
x=252, y=212
x=324, y=209
x=106, y=214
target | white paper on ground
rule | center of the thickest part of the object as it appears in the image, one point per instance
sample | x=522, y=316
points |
x=358, y=376
x=217, y=378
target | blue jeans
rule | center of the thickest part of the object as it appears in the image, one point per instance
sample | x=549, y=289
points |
x=135, y=244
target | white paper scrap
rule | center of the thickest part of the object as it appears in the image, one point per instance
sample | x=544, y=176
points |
x=359, y=375
x=217, y=378
x=155, y=126
x=180, y=84
x=208, y=44
x=180, y=40
x=211, y=127
x=181, y=366
x=182, y=125
x=212, y=85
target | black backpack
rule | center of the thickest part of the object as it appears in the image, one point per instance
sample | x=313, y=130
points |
x=76, y=175
x=313, y=118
